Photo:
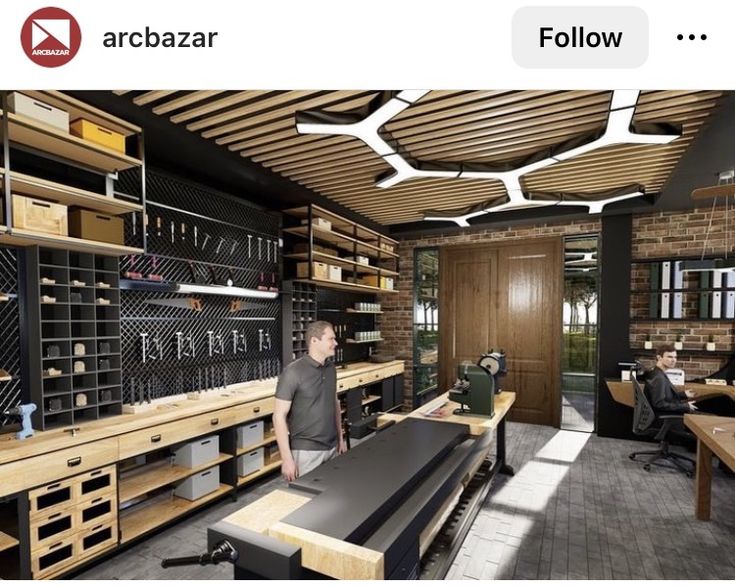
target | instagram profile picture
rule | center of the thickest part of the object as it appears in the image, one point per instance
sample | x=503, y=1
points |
x=50, y=37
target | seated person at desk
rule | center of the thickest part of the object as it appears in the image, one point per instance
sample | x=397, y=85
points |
x=662, y=394
x=307, y=416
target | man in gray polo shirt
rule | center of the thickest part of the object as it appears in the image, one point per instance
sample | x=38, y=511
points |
x=307, y=408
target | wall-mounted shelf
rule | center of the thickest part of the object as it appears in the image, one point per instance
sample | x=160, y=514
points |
x=350, y=265
x=351, y=341
x=693, y=351
x=189, y=288
x=350, y=310
x=345, y=286
x=22, y=237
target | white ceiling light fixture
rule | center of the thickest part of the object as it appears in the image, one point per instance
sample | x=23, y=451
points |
x=404, y=170
x=368, y=129
x=596, y=206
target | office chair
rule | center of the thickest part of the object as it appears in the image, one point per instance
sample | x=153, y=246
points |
x=646, y=423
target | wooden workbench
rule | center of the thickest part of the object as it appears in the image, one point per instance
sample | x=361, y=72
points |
x=715, y=435
x=343, y=560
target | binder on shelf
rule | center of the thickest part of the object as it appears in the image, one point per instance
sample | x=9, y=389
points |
x=729, y=305
x=654, y=276
x=676, y=310
x=653, y=305
x=729, y=281
x=665, y=302
x=716, y=305
x=705, y=281
x=705, y=298
x=716, y=280
x=666, y=274
x=678, y=276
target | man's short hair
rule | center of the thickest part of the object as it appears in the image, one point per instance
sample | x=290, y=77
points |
x=665, y=348
x=316, y=330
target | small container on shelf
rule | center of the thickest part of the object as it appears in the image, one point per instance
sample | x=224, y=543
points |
x=26, y=106
x=39, y=215
x=92, y=132
x=710, y=346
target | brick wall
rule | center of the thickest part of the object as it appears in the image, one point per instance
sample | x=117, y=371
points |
x=669, y=235
x=396, y=325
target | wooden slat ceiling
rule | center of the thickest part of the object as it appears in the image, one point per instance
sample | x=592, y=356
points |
x=443, y=126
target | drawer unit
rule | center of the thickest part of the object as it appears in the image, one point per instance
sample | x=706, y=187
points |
x=96, y=482
x=96, y=226
x=96, y=511
x=99, y=538
x=250, y=462
x=159, y=436
x=26, y=106
x=51, y=497
x=39, y=215
x=197, y=452
x=92, y=132
x=51, y=528
x=250, y=434
x=199, y=484
x=254, y=410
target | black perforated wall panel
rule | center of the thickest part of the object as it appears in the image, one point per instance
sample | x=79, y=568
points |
x=10, y=391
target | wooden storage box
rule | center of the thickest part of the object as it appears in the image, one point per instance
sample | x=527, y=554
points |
x=26, y=106
x=321, y=270
x=387, y=247
x=317, y=222
x=359, y=259
x=372, y=280
x=96, y=226
x=39, y=215
x=250, y=462
x=93, y=132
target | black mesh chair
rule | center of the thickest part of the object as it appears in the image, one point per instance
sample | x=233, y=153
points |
x=660, y=427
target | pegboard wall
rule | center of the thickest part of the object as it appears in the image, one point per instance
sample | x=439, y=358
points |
x=194, y=342
x=10, y=391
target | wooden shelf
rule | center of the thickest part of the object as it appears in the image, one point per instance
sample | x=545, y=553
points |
x=147, y=518
x=150, y=477
x=6, y=541
x=341, y=286
x=342, y=262
x=269, y=439
x=350, y=310
x=694, y=351
x=370, y=399
x=267, y=469
x=351, y=341
x=70, y=196
x=21, y=237
x=36, y=134
x=341, y=241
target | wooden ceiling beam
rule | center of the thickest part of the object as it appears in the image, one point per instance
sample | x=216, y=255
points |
x=221, y=104
x=184, y=101
x=151, y=96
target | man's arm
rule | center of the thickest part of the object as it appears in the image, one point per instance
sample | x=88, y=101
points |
x=280, y=413
x=341, y=446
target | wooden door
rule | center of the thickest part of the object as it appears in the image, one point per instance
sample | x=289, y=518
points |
x=505, y=297
x=467, y=302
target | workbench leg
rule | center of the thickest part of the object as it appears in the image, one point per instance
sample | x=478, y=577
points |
x=703, y=482
x=504, y=468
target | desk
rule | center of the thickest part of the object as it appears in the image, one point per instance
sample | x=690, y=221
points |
x=416, y=519
x=622, y=391
x=709, y=442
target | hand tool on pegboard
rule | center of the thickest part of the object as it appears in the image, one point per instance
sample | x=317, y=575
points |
x=153, y=275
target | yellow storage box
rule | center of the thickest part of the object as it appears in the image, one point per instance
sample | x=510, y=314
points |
x=321, y=270
x=93, y=132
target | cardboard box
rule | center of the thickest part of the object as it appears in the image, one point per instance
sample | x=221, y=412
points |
x=250, y=462
x=372, y=280
x=359, y=259
x=93, y=132
x=318, y=222
x=198, y=485
x=197, y=452
x=321, y=270
x=250, y=434
x=96, y=226
x=39, y=215
x=335, y=273
x=26, y=106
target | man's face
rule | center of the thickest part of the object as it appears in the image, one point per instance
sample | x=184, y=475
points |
x=668, y=360
x=326, y=344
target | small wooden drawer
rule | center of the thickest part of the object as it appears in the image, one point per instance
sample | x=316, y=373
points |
x=159, y=436
x=97, y=539
x=96, y=482
x=51, y=497
x=96, y=511
x=253, y=410
x=51, y=528
x=53, y=558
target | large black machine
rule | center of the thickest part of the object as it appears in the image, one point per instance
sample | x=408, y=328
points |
x=477, y=384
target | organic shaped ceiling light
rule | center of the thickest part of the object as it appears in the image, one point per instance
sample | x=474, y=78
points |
x=366, y=123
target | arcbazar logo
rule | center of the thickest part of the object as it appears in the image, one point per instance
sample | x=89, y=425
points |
x=50, y=37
